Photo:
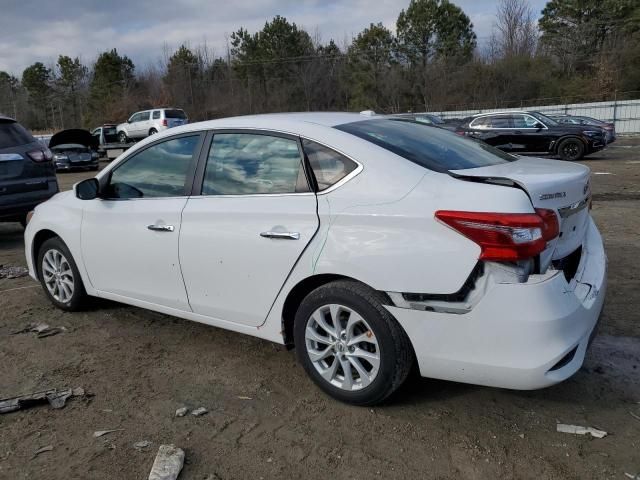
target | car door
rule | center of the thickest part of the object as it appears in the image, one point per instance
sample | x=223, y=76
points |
x=530, y=134
x=130, y=234
x=253, y=217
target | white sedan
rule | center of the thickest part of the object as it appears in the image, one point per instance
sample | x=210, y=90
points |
x=367, y=242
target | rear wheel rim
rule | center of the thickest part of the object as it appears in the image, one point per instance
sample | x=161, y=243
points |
x=342, y=347
x=58, y=275
x=571, y=150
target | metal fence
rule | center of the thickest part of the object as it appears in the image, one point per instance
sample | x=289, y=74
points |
x=625, y=114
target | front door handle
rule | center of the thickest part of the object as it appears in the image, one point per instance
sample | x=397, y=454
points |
x=161, y=228
x=281, y=235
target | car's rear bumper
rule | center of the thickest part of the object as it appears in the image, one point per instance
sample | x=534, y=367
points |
x=14, y=207
x=520, y=336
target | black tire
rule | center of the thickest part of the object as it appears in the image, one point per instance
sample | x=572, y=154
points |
x=122, y=137
x=571, y=149
x=78, y=298
x=153, y=131
x=395, y=350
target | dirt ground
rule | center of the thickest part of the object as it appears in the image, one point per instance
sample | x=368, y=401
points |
x=267, y=420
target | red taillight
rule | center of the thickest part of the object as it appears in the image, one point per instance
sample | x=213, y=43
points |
x=164, y=122
x=40, y=156
x=504, y=236
x=550, y=225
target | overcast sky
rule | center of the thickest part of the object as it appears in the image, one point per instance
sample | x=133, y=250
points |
x=40, y=30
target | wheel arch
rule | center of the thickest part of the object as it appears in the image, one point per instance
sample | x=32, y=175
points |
x=38, y=240
x=303, y=288
x=571, y=136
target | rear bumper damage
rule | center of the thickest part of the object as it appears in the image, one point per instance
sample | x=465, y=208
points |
x=517, y=335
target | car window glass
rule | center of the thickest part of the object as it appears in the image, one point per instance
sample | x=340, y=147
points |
x=482, y=122
x=156, y=114
x=329, y=167
x=13, y=134
x=502, y=121
x=245, y=164
x=433, y=148
x=158, y=171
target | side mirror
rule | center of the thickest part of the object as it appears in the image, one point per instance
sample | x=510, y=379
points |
x=539, y=126
x=87, y=189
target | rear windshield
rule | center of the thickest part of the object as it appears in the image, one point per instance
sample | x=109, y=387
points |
x=430, y=147
x=13, y=134
x=174, y=114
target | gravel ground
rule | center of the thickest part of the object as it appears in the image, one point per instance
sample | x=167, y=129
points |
x=265, y=418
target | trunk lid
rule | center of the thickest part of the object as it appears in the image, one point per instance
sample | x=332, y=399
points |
x=551, y=184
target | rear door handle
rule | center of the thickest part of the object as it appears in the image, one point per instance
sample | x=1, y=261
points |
x=281, y=235
x=161, y=228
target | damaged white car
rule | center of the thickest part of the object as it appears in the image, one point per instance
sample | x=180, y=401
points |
x=367, y=242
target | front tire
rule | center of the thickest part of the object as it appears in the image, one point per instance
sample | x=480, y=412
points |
x=59, y=276
x=571, y=149
x=122, y=137
x=350, y=345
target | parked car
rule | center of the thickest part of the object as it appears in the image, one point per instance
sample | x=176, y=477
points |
x=150, y=122
x=368, y=243
x=74, y=149
x=533, y=132
x=608, y=127
x=109, y=145
x=27, y=174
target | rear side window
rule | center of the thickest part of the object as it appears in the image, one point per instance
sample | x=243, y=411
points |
x=251, y=164
x=482, y=122
x=175, y=113
x=13, y=134
x=157, y=171
x=432, y=148
x=156, y=114
x=503, y=121
x=329, y=167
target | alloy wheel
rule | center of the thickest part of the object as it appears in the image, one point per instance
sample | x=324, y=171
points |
x=342, y=347
x=58, y=275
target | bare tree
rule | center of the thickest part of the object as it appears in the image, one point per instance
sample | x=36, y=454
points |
x=515, y=31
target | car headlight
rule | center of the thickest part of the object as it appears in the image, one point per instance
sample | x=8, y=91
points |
x=592, y=133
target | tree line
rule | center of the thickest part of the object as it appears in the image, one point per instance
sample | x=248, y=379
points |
x=579, y=50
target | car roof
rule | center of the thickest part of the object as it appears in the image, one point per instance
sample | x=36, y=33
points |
x=4, y=118
x=282, y=121
x=510, y=112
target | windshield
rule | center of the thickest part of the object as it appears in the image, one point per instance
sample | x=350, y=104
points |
x=433, y=148
x=544, y=119
x=174, y=114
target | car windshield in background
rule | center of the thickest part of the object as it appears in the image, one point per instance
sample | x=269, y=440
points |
x=544, y=119
x=13, y=134
x=432, y=148
x=174, y=114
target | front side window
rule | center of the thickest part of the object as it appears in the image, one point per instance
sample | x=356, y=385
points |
x=158, y=171
x=433, y=148
x=524, y=121
x=329, y=167
x=247, y=164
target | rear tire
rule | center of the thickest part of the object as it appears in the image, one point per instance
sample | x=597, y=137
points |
x=571, y=149
x=59, y=276
x=350, y=345
x=122, y=137
x=153, y=131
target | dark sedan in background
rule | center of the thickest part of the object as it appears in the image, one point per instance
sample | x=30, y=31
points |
x=74, y=149
x=608, y=127
x=533, y=133
x=27, y=174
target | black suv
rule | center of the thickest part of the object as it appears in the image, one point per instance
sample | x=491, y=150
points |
x=27, y=174
x=532, y=132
